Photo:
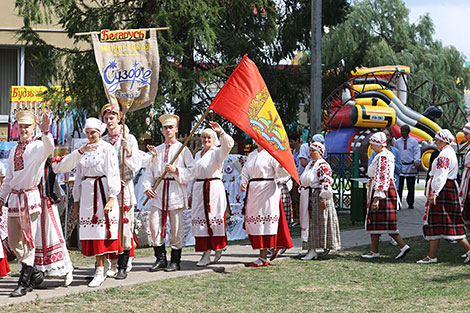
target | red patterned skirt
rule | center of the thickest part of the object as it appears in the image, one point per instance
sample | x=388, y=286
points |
x=281, y=240
x=384, y=220
x=444, y=219
x=4, y=267
x=100, y=247
x=210, y=243
x=466, y=211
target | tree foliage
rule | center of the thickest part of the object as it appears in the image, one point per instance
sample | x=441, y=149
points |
x=205, y=40
x=378, y=32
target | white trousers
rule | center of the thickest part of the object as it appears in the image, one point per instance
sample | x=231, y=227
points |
x=16, y=241
x=176, y=225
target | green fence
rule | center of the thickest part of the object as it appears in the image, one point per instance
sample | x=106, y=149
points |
x=344, y=166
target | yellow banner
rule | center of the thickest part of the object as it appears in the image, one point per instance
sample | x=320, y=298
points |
x=34, y=93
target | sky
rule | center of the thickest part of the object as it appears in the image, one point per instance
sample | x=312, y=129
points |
x=451, y=19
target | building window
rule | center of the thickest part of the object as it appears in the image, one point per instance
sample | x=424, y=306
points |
x=17, y=64
x=8, y=76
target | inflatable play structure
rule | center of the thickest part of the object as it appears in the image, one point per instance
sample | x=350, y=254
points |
x=375, y=98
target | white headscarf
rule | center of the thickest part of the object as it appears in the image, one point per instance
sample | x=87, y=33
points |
x=95, y=123
x=318, y=138
x=378, y=138
x=213, y=134
x=445, y=135
x=318, y=146
x=466, y=128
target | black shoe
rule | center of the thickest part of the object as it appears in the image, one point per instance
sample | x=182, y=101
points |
x=173, y=267
x=161, y=262
x=411, y=207
x=23, y=281
x=175, y=261
x=159, y=265
x=36, y=279
x=121, y=274
x=122, y=265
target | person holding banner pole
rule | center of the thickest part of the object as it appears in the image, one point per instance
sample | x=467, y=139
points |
x=209, y=201
x=24, y=172
x=265, y=222
x=96, y=187
x=112, y=116
x=171, y=197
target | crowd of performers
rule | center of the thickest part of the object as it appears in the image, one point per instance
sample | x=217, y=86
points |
x=103, y=185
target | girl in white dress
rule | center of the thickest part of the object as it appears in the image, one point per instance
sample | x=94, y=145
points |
x=96, y=187
x=209, y=201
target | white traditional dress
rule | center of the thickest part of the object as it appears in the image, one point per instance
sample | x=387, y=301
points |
x=52, y=256
x=4, y=267
x=261, y=174
x=323, y=225
x=171, y=194
x=444, y=219
x=132, y=164
x=96, y=181
x=381, y=173
x=24, y=172
x=463, y=194
x=209, y=200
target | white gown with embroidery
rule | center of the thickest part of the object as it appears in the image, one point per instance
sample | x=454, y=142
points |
x=262, y=202
x=210, y=166
x=101, y=162
x=52, y=255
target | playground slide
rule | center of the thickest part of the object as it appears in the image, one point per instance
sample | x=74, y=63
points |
x=421, y=126
x=339, y=140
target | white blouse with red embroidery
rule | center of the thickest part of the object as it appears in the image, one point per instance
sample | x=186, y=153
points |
x=381, y=171
x=317, y=174
x=444, y=167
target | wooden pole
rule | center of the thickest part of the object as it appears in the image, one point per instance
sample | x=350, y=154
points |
x=179, y=151
x=147, y=29
x=123, y=168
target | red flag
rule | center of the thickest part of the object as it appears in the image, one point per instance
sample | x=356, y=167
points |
x=245, y=101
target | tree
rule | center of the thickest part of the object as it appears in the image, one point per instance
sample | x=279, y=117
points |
x=378, y=33
x=198, y=53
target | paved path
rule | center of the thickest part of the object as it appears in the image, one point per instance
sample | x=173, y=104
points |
x=409, y=222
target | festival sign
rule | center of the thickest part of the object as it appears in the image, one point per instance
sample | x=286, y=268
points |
x=129, y=69
x=245, y=101
x=33, y=98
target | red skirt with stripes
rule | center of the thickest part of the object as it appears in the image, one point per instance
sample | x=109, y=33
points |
x=384, y=220
x=210, y=243
x=100, y=247
x=444, y=219
x=466, y=211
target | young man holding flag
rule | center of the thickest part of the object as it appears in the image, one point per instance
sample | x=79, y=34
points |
x=171, y=197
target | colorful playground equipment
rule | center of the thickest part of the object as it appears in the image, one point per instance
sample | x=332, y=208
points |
x=375, y=98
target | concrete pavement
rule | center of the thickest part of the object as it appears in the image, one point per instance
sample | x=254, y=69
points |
x=409, y=221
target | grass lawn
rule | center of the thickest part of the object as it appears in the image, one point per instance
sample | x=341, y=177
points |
x=341, y=283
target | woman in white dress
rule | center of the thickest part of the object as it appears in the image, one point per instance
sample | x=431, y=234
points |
x=323, y=225
x=209, y=201
x=96, y=187
x=51, y=254
x=261, y=176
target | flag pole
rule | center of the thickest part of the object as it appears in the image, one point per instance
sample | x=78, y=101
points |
x=123, y=177
x=179, y=152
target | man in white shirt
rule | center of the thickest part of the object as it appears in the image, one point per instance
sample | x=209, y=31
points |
x=171, y=197
x=112, y=117
x=24, y=172
x=410, y=159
